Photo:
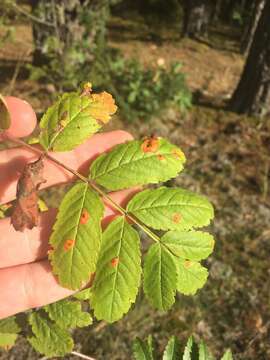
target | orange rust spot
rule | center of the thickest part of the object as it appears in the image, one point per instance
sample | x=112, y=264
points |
x=69, y=244
x=178, y=154
x=150, y=145
x=161, y=157
x=84, y=217
x=187, y=264
x=176, y=218
x=115, y=261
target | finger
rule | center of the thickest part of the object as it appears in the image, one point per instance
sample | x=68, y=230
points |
x=12, y=162
x=28, y=246
x=28, y=286
x=23, y=117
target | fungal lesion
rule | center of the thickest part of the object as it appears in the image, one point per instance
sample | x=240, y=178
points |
x=150, y=144
x=69, y=244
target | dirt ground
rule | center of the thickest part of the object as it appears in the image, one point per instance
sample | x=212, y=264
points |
x=228, y=161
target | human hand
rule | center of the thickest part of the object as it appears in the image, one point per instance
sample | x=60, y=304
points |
x=26, y=280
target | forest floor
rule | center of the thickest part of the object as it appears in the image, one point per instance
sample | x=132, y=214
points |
x=228, y=160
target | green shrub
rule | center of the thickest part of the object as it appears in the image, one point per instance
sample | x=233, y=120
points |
x=144, y=92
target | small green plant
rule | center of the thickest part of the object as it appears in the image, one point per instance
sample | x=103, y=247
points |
x=144, y=350
x=107, y=264
x=144, y=92
x=7, y=30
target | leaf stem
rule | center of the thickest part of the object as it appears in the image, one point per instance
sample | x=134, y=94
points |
x=82, y=356
x=94, y=186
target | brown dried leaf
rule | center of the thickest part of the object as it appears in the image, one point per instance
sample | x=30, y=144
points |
x=25, y=214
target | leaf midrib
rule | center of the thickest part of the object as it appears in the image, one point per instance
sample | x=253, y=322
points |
x=71, y=119
x=77, y=228
x=117, y=267
x=172, y=205
x=128, y=163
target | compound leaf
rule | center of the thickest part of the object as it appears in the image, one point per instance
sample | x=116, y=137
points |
x=191, y=276
x=49, y=338
x=171, y=209
x=76, y=236
x=142, y=350
x=9, y=330
x=118, y=271
x=191, y=245
x=68, y=314
x=73, y=119
x=137, y=163
x=5, y=120
x=172, y=351
x=160, y=277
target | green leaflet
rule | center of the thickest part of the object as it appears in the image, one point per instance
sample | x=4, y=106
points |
x=191, y=276
x=118, y=271
x=143, y=350
x=76, y=236
x=227, y=355
x=9, y=330
x=191, y=245
x=49, y=338
x=188, y=349
x=160, y=277
x=68, y=314
x=171, y=209
x=68, y=123
x=5, y=120
x=172, y=351
x=7, y=340
x=129, y=164
x=83, y=294
x=204, y=353
x=9, y=325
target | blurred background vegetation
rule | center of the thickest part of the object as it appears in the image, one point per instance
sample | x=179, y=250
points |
x=198, y=73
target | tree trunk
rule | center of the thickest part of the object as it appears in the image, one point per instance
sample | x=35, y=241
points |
x=196, y=17
x=252, y=95
x=227, y=10
x=250, y=29
x=62, y=26
x=216, y=10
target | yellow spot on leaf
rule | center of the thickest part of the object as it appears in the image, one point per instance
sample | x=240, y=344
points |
x=187, y=264
x=87, y=87
x=178, y=154
x=176, y=218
